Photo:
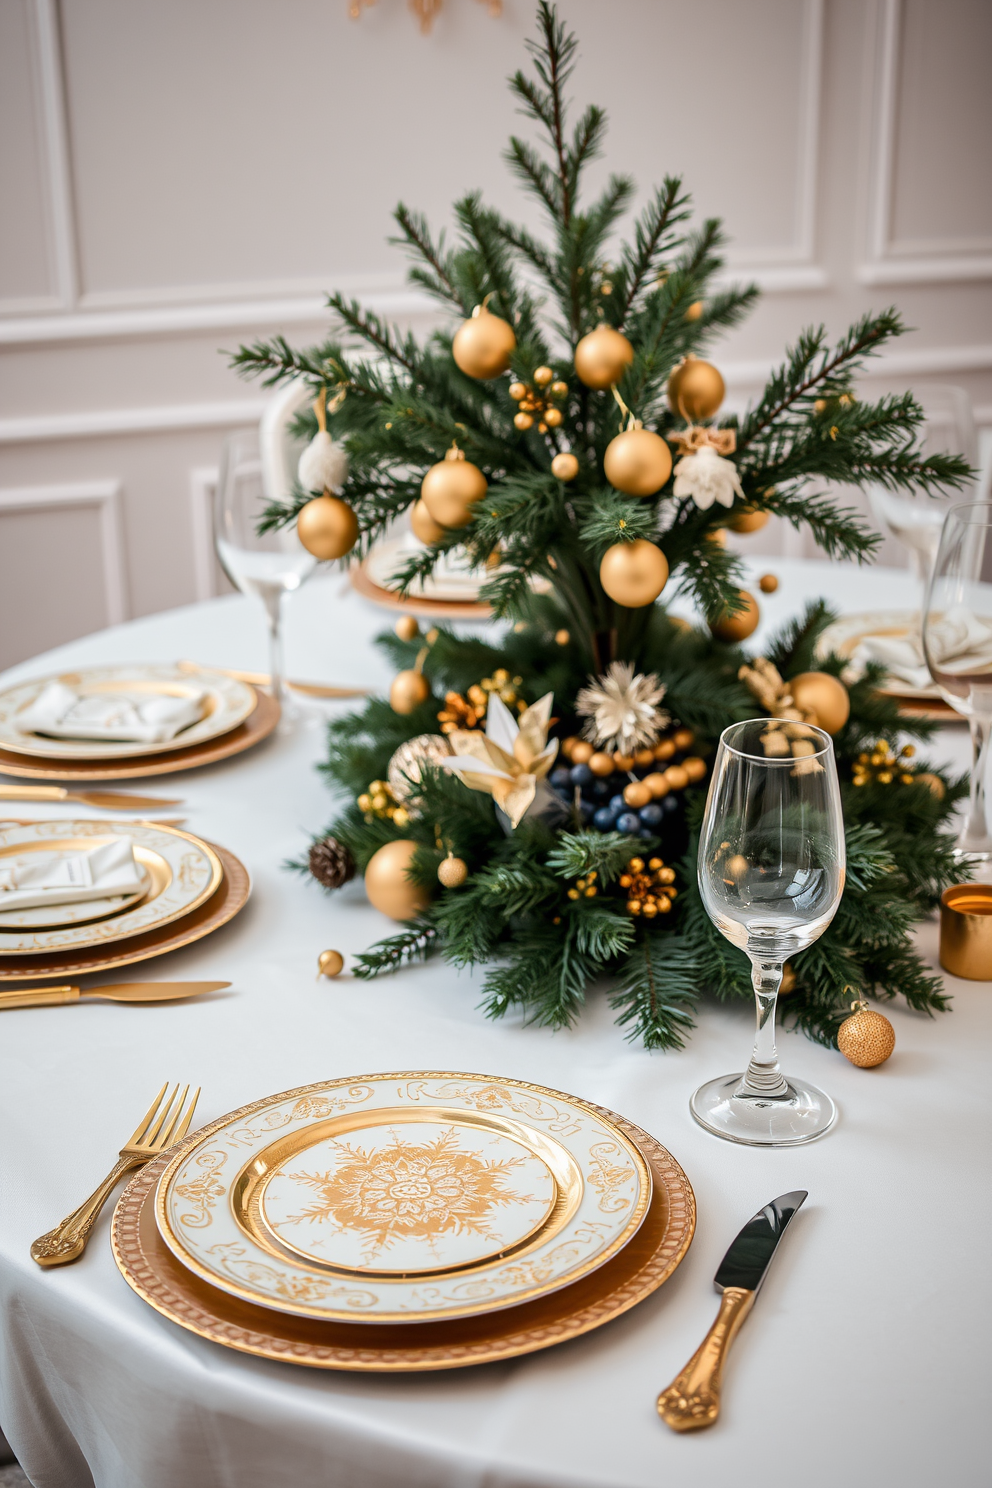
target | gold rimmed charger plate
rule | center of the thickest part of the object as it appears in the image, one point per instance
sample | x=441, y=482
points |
x=181, y=871
x=229, y=897
x=644, y=1264
x=451, y=609
x=256, y=727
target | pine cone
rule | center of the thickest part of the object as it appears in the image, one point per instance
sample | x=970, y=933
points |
x=331, y=863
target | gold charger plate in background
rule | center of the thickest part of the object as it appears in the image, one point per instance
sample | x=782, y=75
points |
x=447, y=609
x=647, y=1261
x=223, y=905
x=256, y=727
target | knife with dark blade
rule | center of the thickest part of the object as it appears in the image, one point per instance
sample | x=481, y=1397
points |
x=692, y=1400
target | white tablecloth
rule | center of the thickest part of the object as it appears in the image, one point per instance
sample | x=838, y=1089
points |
x=865, y=1360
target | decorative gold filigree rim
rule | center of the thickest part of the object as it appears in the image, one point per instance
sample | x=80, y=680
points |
x=645, y=1264
x=248, y=1294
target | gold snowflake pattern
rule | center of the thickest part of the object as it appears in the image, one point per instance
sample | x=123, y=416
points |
x=411, y=1191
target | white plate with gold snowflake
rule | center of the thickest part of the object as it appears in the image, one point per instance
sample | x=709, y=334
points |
x=404, y=1197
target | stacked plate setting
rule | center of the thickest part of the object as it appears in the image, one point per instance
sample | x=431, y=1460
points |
x=405, y=1220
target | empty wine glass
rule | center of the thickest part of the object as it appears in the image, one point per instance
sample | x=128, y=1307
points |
x=269, y=564
x=771, y=874
x=957, y=643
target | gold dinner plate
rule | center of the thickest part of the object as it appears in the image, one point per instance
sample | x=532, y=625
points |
x=647, y=1261
x=227, y=899
x=181, y=873
x=449, y=609
x=256, y=727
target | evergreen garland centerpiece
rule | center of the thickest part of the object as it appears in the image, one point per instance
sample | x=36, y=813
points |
x=531, y=802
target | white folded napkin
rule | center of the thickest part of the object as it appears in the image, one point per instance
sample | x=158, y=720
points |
x=902, y=657
x=69, y=878
x=62, y=713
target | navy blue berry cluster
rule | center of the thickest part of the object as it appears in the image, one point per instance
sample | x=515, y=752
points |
x=637, y=793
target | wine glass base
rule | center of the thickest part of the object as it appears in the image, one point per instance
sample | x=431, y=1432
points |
x=802, y=1115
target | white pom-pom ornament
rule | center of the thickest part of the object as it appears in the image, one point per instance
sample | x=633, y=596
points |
x=323, y=464
x=707, y=477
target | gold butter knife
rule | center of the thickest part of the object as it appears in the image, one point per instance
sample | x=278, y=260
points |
x=115, y=992
x=262, y=679
x=104, y=800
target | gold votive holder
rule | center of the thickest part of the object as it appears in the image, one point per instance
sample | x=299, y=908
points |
x=966, y=931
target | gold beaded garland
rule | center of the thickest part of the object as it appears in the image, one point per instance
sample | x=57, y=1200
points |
x=634, y=573
x=602, y=356
x=327, y=527
x=483, y=344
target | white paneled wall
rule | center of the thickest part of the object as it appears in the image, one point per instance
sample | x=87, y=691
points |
x=177, y=177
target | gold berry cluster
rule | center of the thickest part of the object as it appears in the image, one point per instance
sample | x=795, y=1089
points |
x=649, y=887
x=469, y=712
x=585, y=888
x=655, y=785
x=882, y=765
x=535, y=401
x=379, y=801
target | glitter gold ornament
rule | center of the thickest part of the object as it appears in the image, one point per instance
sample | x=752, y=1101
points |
x=327, y=527
x=737, y=627
x=405, y=769
x=423, y=524
x=822, y=699
x=389, y=888
x=634, y=573
x=695, y=389
x=409, y=689
x=565, y=467
x=330, y=964
x=452, y=872
x=866, y=1038
x=637, y=462
x=451, y=487
x=602, y=357
x=483, y=344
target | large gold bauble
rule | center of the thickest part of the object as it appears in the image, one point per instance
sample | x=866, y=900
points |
x=637, y=462
x=387, y=885
x=737, y=627
x=866, y=1038
x=602, y=356
x=449, y=490
x=483, y=344
x=695, y=389
x=824, y=696
x=565, y=467
x=423, y=524
x=747, y=520
x=634, y=573
x=406, y=766
x=408, y=691
x=327, y=527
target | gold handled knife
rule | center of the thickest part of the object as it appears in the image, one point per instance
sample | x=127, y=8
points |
x=103, y=800
x=115, y=992
x=692, y=1400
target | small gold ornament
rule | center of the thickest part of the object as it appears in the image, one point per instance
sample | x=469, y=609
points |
x=695, y=311
x=517, y=391
x=883, y=765
x=327, y=527
x=405, y=769
x=559, y=389
x=822, y=699
x=523, y=421
x=387, y=885
x=748, y=520
x=933, y=783
x=451, y=487
x=565, y=467
x=553, y=418
x=637, y=462
x=768, y=583
x=407, y=628
x=602, y=357
x=734, y=628
x=483, y=344
x=585, y=888
x=543, y=375
x=409, y=689
x=423, y=524
x=634, y=573
x=452, y=872
x=562, y=637
x=649, y=887
x=695, y=389
x=866, y=1038
x=330, y=964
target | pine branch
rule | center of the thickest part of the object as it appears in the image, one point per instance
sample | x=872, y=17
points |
x=416, y=238
x=658, y=991
x=419, y=943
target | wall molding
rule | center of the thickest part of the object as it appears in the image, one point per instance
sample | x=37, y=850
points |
x=202, y=486
x=107, y=497
x=936, y=261
x=51, y=105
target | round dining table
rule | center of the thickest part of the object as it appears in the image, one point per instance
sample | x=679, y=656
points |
x=864, y=1361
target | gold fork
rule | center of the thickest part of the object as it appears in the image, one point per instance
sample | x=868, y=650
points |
x=160, y=1126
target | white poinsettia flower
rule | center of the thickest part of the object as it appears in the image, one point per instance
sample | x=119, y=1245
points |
x=707, y=477
x=323, y=464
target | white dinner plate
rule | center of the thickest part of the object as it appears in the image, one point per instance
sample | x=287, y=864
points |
x=845, y=634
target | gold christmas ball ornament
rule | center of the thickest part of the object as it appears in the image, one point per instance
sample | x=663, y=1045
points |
x=330, y=963
x=768, y=583
x=866, y=1038
x=553, y=418
x=637, y=462
x=695, y=389
x=824, y=696
x=932, y=782
x=543, y=376
x=634, y=573
x=562, y=637
x=423, y=525
x=748, y=520
x=450, y=489
x=602, y=356
x=559, y=389
x=407, y=628
x=565, y=467
x=788, y=980
x=483, y=344
x=518, y=390
x=732, y=628
x=405, y=768
x=695, y=311
x=409, y=689
x=452, y=872
x=387, y=885
x=523, y=421
x=327, y=527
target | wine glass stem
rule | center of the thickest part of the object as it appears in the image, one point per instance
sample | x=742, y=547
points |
x=763, y=1076
x=975, y=838
x=273, y=611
